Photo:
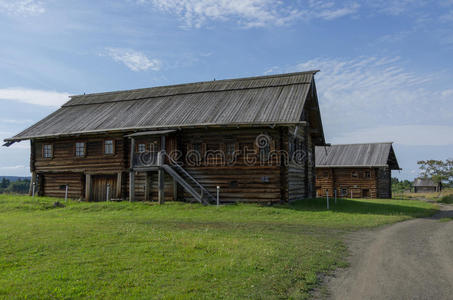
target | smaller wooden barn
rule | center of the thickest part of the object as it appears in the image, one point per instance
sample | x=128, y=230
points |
x=426, y=185
x=355, y=170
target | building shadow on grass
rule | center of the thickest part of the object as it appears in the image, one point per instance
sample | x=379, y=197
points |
x=360, y=207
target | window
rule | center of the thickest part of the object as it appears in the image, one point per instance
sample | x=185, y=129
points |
x=197, y=148
x=354, y=174
x=230, y=149
x=47, y=151
x=367, y=174
x=80, y=149
x=108, y=147
x=141, y=148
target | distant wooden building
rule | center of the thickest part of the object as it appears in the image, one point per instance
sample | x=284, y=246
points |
x=355, y=170
x=426, y=185
x=180, y=142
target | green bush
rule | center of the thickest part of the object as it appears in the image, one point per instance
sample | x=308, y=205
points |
x=447, y=199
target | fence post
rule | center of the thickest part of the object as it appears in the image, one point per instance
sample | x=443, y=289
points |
x=108, y=192
x=66, y=194
x=218, y=195
x=327, y=197
x=33, y=191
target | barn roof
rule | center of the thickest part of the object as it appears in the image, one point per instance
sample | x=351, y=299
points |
x=356, y=155
x=424, y=182
x=273, y=100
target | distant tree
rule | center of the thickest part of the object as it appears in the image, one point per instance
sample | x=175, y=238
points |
x=399, y=186
x=438, y=170
x=18, y=187
x=5, y=183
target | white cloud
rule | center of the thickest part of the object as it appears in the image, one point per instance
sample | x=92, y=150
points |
x=9, y=168
x=372, y=92
x=22, y=7
x=251, y=13
x=134, y=60
x=411, y=135
x=36, y=97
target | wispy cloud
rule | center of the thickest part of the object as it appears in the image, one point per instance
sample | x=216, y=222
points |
x=411, y=135
x=36, y=97
x=22, y=7
x=9, y=168
x=370, y=92
x=251, y=13
x=134, y=60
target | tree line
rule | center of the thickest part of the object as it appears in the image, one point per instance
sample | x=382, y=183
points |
x=20, y=186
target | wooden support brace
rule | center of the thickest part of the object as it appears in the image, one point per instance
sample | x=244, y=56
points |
x=119, y=185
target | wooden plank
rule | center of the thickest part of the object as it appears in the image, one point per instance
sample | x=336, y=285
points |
x=131, y=186
x=119, y=184
x=87, y=187
x=161, y=185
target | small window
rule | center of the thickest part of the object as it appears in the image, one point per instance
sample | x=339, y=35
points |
x=80, y=149
x=197, y=148
x=354, y=174
x=367, y=174
x=108, y=147
x=325, y=174
x=230, y=149
x=141, y=148
x=47, y=151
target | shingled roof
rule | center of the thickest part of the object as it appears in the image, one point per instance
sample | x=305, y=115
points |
x=274, y=100
x=356, y=155
x=425, y=182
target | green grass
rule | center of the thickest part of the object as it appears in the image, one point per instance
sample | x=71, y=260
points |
x=177, y=250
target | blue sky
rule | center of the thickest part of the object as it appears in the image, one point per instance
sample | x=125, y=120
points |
x=386, y=66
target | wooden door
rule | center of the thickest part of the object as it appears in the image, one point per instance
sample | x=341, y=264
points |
x=99, y=187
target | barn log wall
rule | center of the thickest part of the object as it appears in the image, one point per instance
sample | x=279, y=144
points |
x=384, y=183
x=247, y=179
x=53, y=185
x=250, y=182
x=331, y=179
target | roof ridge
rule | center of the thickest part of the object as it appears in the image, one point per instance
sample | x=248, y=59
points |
x=198, y=82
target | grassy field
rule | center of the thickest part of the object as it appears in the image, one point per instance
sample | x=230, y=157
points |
x=445, y=196
x=174, y=251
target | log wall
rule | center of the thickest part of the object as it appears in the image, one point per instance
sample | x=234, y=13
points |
x=342, y=180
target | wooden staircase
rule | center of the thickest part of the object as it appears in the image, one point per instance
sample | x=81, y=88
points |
x=190, y=184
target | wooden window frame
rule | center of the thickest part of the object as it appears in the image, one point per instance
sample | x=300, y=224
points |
x=356, y=174
x=84, y=149
x=138, y=148
x=367, y=174
x=43, y=151
x=113, y=147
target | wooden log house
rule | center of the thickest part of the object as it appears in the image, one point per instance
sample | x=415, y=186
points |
x=180, y=142
x=355, y=170
x=426, y=185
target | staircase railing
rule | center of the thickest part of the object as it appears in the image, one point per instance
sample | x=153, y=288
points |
x=204, y=193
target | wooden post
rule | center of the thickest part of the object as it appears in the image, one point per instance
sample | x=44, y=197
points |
x=327, y=198
x=87, y=187
x=131, y=172
x=175, y=190
x=32, y=183
x=131, y=186
x=147, y=186
x=161, y=184
x=119, y=185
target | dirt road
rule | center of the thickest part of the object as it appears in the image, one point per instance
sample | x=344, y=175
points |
x=407, y=260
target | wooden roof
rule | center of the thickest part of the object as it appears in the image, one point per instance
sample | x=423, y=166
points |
x=356, y=155
x=273, y=100
x=425, y=182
